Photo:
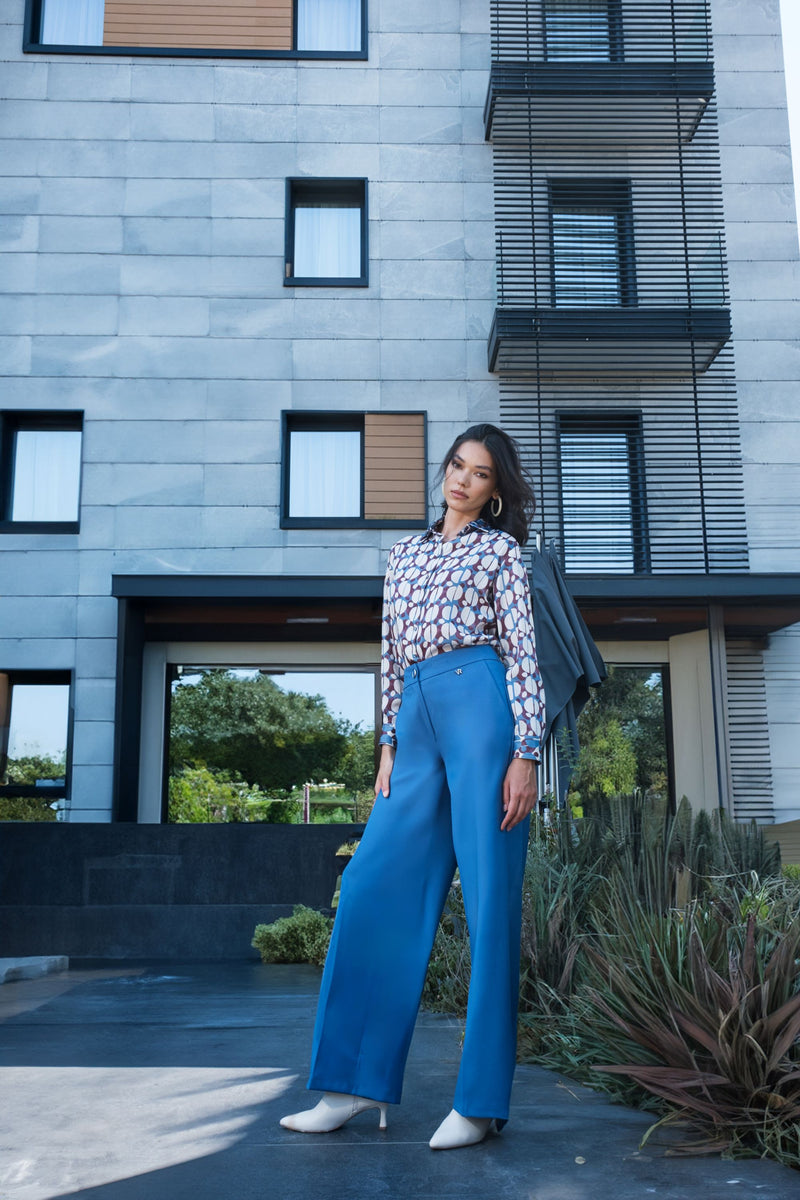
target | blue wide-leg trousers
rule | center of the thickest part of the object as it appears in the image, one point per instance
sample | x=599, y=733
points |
x=455, y=735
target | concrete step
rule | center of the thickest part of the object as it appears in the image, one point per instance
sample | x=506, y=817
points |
x=31, y=968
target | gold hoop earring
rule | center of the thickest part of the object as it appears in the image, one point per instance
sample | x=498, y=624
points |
x=496, y=511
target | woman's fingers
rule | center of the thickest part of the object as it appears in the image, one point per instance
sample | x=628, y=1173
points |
x=384, y=771
x=519, y=808
x=519, y=793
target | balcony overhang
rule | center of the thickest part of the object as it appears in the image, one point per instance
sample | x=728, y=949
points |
x=225, y=608
x=656, y=607
x=622, y=341
x=617, y=102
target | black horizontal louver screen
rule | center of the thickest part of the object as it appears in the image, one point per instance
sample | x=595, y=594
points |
x=581, y=29
x=602, y=494
x=592, y=243
x=611, y=269
x=748, y=731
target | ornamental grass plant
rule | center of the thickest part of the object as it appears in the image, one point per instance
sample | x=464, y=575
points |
x=701, y=1008
x=661, y=964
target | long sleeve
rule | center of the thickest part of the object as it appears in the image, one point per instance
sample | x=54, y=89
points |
x=391, y=668
x=512, y=602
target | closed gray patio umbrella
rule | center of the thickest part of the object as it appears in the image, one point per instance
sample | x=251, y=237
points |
x=570, y=664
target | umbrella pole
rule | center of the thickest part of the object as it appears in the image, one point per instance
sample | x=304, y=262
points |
x=549, y=795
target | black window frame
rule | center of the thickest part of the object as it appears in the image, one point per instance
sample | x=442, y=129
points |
x=11, y=422
x=596, y=196
x=54, y=791
x=344, y=189
x=324, y=421
x=629, y=422
x=616, y=45
x=33, y=45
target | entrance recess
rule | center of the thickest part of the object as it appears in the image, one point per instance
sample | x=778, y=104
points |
x=189, y=691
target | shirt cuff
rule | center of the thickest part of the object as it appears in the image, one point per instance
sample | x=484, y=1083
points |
x=527, y=747
x=387, y=738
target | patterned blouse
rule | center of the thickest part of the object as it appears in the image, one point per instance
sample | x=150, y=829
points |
x=470, y=591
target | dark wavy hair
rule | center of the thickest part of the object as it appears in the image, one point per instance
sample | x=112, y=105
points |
x=519, y=502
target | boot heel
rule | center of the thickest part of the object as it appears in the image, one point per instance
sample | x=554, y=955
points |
x=333, y=1111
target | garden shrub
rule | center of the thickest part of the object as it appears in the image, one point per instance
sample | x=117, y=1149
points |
x=660, y=963
x=27, y=808
x=199, y=795
x=447, y=980
x=302, y=938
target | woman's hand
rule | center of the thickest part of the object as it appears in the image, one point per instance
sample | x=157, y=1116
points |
x=519, y=791
x=384, y=770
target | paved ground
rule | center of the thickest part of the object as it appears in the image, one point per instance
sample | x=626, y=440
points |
x=166, y=1082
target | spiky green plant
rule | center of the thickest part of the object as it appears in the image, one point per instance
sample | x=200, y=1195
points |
x=449, y=969
x=705, y=1014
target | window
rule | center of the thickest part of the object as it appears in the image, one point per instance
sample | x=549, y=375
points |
x=354, y=470
x=648, y=764
x=326, y=233
x=72, y=22
x=329, y=25
x=583, y=30
x=603, y=510
x=325, y=471
x=592, y=243
x=250, y=28
x=293, y=766
x=34, y=743
x=40, y=462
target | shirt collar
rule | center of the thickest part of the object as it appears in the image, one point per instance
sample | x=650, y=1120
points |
x=435, y=530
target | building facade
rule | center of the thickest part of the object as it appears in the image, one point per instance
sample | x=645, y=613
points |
x=263, y=261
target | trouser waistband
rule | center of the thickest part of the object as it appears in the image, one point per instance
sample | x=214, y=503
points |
x=449, y=660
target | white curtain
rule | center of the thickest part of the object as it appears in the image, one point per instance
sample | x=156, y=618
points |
x=328, y=24
x=73, y=23
x=327, y=243
x=325, y=473
x=47, y=471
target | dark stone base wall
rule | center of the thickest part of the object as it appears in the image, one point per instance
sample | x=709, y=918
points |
x=157, y=891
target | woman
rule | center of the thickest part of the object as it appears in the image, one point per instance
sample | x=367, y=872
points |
x=462, y=714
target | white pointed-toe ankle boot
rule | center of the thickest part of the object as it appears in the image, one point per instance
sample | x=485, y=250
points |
x=334, y=1110
x=456, y=1131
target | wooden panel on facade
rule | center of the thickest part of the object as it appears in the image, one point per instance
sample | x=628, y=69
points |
x=787, y=835
x=394, y=467
x=244, y=24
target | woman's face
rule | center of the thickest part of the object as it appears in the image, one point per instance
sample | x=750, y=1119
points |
x=470, y=480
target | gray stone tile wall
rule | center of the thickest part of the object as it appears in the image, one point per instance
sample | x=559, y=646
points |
x=142, y=212
x=762, y=243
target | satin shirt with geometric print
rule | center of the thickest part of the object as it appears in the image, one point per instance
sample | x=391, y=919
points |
x=469, y=591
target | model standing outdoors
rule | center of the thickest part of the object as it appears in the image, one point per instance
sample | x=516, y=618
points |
x=463, y=709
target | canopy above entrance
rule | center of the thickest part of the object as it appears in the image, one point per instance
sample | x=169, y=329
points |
x=654, y=606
